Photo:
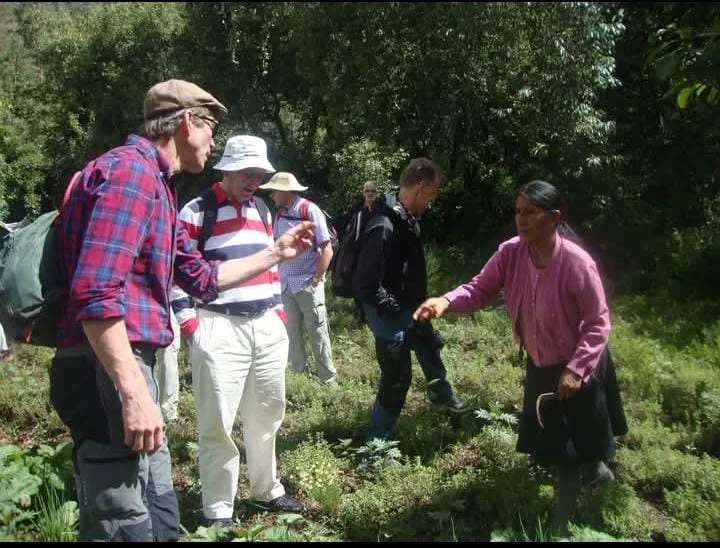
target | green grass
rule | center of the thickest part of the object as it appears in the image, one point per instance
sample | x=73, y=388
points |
x=57, y=517
x=453, y=479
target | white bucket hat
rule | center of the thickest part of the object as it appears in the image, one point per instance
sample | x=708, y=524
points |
x=243, y=152
x=283, y=181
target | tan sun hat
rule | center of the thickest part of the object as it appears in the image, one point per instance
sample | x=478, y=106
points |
x=170, y=96
x=283, y=181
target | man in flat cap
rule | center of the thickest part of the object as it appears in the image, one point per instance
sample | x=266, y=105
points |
x=303, y=290
x=122, y=248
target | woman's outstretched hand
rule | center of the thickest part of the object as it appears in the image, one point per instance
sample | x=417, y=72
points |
x=432, y=308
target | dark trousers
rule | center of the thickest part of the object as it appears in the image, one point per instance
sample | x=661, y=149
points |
x=122, y=495
x=393, y=356
x=396, y=368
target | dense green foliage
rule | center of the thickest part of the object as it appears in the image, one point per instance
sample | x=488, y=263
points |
x=616, y=103
x=582, y=94
x=445, y=478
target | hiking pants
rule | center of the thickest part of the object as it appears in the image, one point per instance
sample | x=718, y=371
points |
x=123, y=495
x=168, y=375
x=395, y=336
x=306, y=309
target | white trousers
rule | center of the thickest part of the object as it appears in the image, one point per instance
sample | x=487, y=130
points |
x=238, y=363
x=168, y=376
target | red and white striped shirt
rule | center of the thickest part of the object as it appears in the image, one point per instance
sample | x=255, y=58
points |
x=239, y=231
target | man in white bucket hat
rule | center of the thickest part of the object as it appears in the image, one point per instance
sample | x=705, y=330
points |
x=238, y=344
x=303, y=290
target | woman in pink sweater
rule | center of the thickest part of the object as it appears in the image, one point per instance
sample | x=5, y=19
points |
x=553, y=293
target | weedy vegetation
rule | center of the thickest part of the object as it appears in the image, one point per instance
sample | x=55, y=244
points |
x=443, y=478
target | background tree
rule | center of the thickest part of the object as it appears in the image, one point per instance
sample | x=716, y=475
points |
x=581, y=94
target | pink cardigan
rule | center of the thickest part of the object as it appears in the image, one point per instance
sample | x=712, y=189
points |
x=560, y=310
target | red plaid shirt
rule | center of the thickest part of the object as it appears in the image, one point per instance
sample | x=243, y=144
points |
x=119, y=235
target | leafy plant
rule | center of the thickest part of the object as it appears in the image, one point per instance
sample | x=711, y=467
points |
x=393, y=505
x=215, y=533
x=289, y=528
x=617, y=509
x=710, y=422
x=373, y=456
x=22, y=474
x=692, y=516
x=495, y=414
x=315, y=470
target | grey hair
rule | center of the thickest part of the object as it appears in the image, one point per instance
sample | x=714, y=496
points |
x=165, y=126
x=369, y=184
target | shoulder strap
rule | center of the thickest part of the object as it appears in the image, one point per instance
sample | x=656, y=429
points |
x=263, y=211
x=210, y=210
x=70, y=186
x=73, y=181
x=210, y=216
x=328, y=217
x=304, y=205
x=302, y=212
x=358, y=225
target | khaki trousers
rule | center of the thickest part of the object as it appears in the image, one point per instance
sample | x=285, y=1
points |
x=306, y=309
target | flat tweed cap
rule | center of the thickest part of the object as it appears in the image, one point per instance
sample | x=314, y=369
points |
x=170, y=96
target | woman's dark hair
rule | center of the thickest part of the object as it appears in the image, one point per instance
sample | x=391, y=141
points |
x=548, y=198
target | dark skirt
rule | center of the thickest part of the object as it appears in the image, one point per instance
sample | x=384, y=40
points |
x=578, y=429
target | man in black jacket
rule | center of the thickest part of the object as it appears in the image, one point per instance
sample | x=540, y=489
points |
x=391, y=281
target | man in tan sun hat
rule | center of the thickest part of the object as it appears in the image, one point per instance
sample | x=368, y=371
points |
x=238, y=343
x=122, y=246
x=303, y=290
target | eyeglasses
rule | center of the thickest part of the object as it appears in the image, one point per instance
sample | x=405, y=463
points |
x=370, y=191
x=211, y=122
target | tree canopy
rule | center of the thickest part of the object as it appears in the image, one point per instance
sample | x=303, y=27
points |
x=584, y=95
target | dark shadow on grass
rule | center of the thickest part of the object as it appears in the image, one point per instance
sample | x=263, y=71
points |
x=663, y=317
x=466, y=513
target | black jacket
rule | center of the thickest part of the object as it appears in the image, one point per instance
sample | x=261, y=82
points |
x=391, y=273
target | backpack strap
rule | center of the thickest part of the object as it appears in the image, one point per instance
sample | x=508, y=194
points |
x=303, y=212
x=304, y=205
x=66, y=197
x=358, y=225
x=70, y=186
x=209, y=217
x=264, y=212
